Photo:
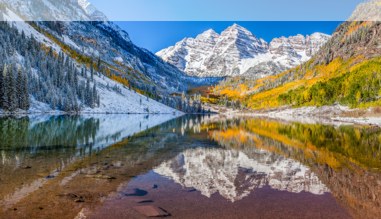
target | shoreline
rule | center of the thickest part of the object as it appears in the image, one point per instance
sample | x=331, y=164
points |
x=334, y=115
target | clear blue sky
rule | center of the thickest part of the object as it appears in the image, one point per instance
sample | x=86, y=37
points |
x=226, y=10
x=155, y=36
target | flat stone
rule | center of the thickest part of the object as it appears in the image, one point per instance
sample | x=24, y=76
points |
x=151, y=211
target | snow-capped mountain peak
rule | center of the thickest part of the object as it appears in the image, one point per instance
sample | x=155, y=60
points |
x=237, y=29
x=209, y=34
x=236, y=51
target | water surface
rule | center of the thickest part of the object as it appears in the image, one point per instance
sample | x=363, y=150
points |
x=191, y=167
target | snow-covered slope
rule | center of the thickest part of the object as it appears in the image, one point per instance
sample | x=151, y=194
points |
x=68, y=10
x=235, y=174
x=108, y=42
x=236, y=51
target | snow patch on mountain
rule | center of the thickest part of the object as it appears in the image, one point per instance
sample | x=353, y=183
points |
x=12, y=18
x=68, y=10
x=236, y=51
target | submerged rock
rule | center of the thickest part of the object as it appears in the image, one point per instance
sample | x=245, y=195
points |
x=137, y=192
x=151, y=211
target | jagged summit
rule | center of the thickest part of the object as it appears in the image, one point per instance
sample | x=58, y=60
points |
x=208, y=34
x=236, y=51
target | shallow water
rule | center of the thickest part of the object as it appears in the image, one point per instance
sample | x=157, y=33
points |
x=104, y=166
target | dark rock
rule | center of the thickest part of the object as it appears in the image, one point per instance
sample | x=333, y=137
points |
x=137, y=192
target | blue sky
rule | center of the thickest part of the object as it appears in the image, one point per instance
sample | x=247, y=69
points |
x=227, y=10
x=155, y=36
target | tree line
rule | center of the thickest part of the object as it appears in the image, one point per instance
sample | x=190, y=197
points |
x=30, y=70
x=14, y=92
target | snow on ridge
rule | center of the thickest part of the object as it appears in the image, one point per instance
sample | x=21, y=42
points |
x=22, y=26
x=128, y=101
x=236, y=51
x=112, y=102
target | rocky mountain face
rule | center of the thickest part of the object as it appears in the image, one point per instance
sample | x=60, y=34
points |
x=351, y=39
x=235, y=174
x=236, y=51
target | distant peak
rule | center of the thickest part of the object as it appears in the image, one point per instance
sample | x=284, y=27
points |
x=237, y=29
x=236, y=26
x=239, y=32
x=318, y=34
x=210, y=33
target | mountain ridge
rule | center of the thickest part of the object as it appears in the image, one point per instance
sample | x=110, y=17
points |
x=237, y=52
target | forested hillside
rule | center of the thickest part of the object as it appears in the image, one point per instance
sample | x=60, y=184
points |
x=84, y=66
x=27, y=67
x=40, y=76
x=346, y=71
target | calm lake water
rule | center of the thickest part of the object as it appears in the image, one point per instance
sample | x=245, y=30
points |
x=126, y=166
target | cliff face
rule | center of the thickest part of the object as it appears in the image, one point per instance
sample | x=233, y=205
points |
x=351, y=39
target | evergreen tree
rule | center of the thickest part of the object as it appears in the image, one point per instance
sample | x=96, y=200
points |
x=2, y=90
x=12, y=91
x=25, y=93
x=92, y=71
x=95, y=96
x=19, y=89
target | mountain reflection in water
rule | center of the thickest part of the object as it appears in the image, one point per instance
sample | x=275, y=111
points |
x=234, y=174
x=234, y=167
